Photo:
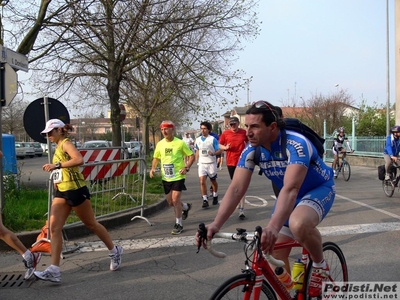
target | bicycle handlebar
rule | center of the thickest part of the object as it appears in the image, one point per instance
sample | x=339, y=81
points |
x=243, y=237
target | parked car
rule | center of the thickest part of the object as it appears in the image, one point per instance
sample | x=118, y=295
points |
x=29, y=150
x=96, y=144
x=20, y=150
x=37, y=147
x=136, y=147
x=133, y=148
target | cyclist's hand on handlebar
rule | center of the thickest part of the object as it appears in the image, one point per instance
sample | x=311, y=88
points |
x=268, y=239
x=394, y=158
x=204, y=234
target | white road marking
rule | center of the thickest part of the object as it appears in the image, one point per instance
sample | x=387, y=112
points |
x=369, y=206
x=262, y=200
x=142, y=244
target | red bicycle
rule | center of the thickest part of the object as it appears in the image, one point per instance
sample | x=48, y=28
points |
x=259, y=281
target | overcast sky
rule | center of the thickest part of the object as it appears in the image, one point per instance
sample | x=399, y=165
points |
x=306, y=47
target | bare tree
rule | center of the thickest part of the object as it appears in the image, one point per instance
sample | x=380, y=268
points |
x=334, y=109
x=12, y=117
x=104, y=40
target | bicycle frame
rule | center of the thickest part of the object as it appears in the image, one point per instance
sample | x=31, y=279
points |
x=341, y=160
x=263, y=270
x=259, y=275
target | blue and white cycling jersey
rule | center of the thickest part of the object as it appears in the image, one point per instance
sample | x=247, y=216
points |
x=300, y=151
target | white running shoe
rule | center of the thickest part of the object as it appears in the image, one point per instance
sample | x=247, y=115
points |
x=387, y=176
x=116, y=258
x=48, y=275
x=31, y=264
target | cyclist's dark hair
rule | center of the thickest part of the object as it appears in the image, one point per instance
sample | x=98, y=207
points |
x=269, y=112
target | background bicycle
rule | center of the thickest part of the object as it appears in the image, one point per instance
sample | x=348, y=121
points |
x=390, y=185
x=259, y=281
x=343, y=166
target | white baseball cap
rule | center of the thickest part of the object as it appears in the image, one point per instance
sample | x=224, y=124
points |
x=51, y=124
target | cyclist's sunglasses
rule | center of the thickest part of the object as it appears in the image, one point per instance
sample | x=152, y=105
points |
x=267, y=106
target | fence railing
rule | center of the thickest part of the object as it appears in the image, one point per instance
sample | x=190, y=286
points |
x=362, y=145
x=116, y=186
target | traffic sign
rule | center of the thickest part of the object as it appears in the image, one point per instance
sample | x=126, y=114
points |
x=14, y=59
x=8, y=84
x=34, y=117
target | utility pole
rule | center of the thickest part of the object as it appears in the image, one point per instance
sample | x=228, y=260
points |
x=397, y=57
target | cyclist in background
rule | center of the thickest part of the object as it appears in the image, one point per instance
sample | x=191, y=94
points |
x=338, y=147
x=392, y=148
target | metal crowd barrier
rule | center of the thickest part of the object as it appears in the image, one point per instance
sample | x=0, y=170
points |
x=116, y=185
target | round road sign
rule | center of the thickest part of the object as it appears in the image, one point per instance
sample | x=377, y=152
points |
x=34, y=118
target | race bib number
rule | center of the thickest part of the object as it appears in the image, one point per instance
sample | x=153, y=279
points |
x=204, y=151
x=57, y=176
x=169, y=170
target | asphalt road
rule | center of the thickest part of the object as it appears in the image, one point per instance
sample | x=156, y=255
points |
x=363, y=221
x=31, y=171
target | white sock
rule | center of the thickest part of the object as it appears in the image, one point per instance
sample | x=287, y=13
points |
x=215, y=194
x=185, y=206
x=178, y=221
x=28, y=254
x=320, y=265
x=54, y=269
x=113, y=250
x=205, y=197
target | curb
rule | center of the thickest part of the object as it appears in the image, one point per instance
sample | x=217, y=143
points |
x=80, y=230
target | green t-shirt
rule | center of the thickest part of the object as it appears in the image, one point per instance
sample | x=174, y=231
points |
x=171, y=154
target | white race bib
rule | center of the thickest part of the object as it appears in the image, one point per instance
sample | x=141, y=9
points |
x=169, y=170
x=57, y=176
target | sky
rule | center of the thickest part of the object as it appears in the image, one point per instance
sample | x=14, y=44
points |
x=312, y=47
x=307, y=47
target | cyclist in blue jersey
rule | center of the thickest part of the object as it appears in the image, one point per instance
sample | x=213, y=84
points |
x=307, y=189
x=392, y=149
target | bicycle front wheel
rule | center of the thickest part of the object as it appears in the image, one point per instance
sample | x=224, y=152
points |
x=346, y=171
x=336, y=261
x=388, y=187
x=235, y=288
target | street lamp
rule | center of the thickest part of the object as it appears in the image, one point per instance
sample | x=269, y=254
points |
x=83, y=139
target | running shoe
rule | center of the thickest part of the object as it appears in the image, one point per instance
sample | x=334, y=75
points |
x=116, y=258
x=178, y=228
x=215, y=200
x=205, y=204
x=48, y=275
x=318, y=276
x=31, y=264
x=185, y=213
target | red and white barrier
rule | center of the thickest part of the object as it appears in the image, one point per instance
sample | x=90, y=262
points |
x=115, y=169
x=94, y=155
